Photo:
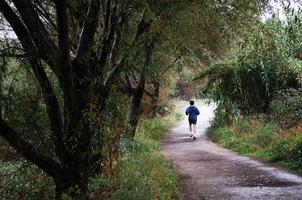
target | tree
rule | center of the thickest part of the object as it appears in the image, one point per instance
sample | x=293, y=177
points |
x=138, y=91
x=79, y=42
x=194, y=29
x=268, y=57
x=77, y=49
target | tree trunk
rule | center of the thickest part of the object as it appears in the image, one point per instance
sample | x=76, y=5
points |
x=2, y=69
x=135, y=108
x=79, y=76
x=155, y=98
x=138, y=93
x=78, y=189
x=72, y=182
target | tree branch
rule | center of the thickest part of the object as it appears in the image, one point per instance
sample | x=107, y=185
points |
x=84, y=48
x=110, y=26
x=43, y=11
x=52, y=105
x=130, y=86
x=114, y=71
x=63, y=34
x=46, y=163
x=72, y=108
x=43, y=42
x=14, y=55
x=18, y=27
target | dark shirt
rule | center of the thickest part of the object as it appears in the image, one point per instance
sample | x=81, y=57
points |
x=192, y=111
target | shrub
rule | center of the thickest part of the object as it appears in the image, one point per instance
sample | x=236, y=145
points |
x=286, y=109
x=287, y=150
x=264, y=134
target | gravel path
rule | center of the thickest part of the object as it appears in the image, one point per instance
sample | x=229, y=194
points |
x=208, y=171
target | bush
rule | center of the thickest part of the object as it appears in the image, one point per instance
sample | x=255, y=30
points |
x=286, y=109
x=252, y=73
x=288, y=151
x=220, y=134
x=264, y=134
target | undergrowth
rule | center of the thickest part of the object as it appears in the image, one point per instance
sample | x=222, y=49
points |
x=141, y=172
x=263, y=140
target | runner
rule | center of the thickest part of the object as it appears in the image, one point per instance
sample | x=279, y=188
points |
x=192, y=111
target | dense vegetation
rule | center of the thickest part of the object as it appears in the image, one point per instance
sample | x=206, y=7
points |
x=131, y=176
x=77, y=77
x=141, y=173
x=257, y=88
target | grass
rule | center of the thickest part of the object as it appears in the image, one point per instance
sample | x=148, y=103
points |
x=263, y=140
x=141, y=172
x=22, y=180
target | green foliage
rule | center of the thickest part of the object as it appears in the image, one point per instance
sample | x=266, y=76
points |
x=287, y=150
x=230, y=140
x=286, y=108
x=22, y=180
x=244, y=136
x=23, y=104
x=153, y=128
x=204, y=28
x=141, y=172
x=263, y=140
x=144, y=176
x=129, y=146
x=264, y=134
x=261, y=75
x=254, y=70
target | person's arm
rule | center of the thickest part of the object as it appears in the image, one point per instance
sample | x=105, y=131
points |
x=197, y=111
x=187, y=111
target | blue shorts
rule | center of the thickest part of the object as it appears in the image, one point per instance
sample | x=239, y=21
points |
x=192, y=122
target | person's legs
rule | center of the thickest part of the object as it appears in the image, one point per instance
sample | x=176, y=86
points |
x=194, y=130
x=191, y=129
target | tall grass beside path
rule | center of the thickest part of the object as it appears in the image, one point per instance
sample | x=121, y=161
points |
x=141, y=172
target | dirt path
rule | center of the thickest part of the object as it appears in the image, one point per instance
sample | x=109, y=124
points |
x=208, y=171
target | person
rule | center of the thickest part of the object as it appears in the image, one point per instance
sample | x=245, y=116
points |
x=192, y=111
